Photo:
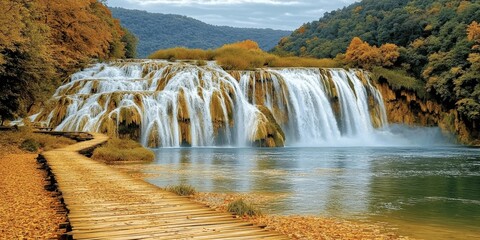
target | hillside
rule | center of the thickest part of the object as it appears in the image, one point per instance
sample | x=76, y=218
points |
x=438, y=44
x=159, y=31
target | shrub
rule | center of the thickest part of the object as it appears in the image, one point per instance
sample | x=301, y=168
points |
x=240, y=208
x=182, y=189
x=201, y=63
x=30, y=145
x=245, y=55
x=122, y=150
x=18, y=140
x=399, y=79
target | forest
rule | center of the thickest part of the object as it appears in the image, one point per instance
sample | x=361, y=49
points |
x=434, y=42
x=43, y=41
x=159, y=31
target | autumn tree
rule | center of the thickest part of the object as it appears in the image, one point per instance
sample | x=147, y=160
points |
x=389, y=54
x=25, y=58
x=43, y=41
x=80, y=30
x=361, y=54
x=473, y=32
x=355, y=51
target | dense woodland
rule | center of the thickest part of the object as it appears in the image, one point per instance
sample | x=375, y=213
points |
x=160, y=31
x=436, y=42
x=43, y=41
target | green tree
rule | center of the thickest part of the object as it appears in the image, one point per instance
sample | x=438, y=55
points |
x=130, y=41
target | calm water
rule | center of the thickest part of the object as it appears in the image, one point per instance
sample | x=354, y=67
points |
x=424, y=191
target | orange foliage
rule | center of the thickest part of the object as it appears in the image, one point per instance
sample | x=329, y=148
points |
x=81, y=29
x=241, y=56
x=361, y=54
x=473, y=32
x=301, y=30
x=247, y=44
x=389, y=53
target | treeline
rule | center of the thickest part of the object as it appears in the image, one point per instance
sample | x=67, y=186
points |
x=43, y=41
x=160, y=31
x=437, y=42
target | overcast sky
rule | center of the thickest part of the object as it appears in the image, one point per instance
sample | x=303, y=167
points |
x=276, y=14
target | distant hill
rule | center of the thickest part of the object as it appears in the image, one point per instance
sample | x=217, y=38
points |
x=157, y=31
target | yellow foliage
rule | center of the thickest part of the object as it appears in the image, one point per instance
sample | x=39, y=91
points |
x=428, y=28
x=473, y=32
x=389, y=53
x=419, y=42
x=301, y=30
x=122, y=150
x=11, y=141
x=243, y=55
x=474, y=59
x=247, y=44
x=358, y=9
x=360, y=53
x=183, y=53
x=464, y=5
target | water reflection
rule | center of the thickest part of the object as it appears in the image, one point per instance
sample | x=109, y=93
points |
x=432, y=186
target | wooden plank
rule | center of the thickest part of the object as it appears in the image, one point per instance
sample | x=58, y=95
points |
x=105, y=203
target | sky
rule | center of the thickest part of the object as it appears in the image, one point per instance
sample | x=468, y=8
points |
x=275, y=14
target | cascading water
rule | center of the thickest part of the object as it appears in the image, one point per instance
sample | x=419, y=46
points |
x=170, y=104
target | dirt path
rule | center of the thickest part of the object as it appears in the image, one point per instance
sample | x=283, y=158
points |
x=26, y=208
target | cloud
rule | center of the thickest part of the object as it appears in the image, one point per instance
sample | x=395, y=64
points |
x=275, y=14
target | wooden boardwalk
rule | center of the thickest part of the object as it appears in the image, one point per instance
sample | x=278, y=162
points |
x=105, y=203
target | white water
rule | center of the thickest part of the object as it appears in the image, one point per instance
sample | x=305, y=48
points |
x=152, y=93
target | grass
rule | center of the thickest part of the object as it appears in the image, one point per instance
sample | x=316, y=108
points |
x=240, y=208
x=182, y=189
x=245, y=55
x=30, y=145
x=25, y=139
x=122, y=150
x=399, y=79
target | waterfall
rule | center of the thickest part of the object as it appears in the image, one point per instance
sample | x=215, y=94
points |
x=172, y=104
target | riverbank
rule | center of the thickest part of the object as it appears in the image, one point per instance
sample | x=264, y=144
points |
x=27, y=210
x=301, y=227
x=296, y=227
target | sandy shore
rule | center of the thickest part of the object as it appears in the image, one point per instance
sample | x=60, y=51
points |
x=26, y=208
x=296, y=227
x=301, y=227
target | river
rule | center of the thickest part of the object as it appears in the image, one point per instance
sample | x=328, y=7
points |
x=427, y=192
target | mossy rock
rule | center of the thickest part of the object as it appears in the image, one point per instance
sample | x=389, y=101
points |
x=269, y=133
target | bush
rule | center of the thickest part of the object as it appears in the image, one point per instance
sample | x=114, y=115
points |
x=240, y=208
x=182, y=189
x=30, y=145
x=399, y=79
x=200, y=63
x=25, y=139
x=122, y=150
x=245, y=55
